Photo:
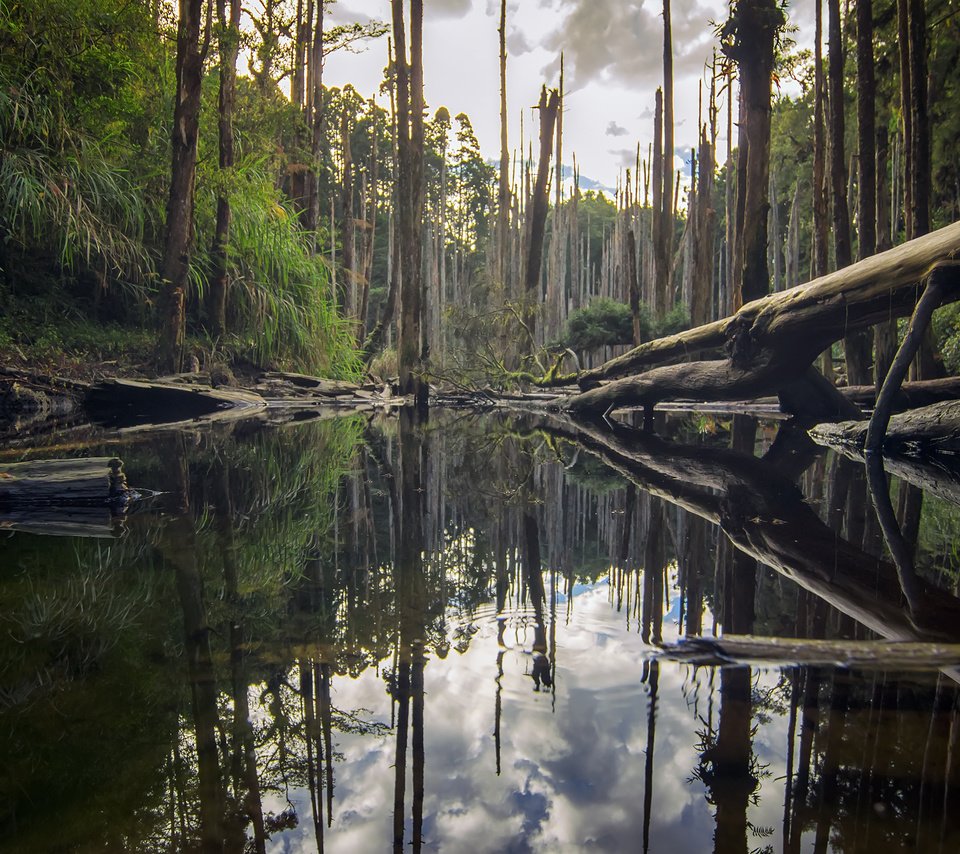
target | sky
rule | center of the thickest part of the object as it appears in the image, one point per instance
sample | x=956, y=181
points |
x=573, y=765
x=612, y=67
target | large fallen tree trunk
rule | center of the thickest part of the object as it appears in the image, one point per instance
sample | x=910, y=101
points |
x=771, y=342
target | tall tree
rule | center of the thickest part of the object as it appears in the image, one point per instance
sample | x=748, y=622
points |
x=867, y=178
x=180, y=203
x=409, y=94
x=749, y=38
x=857, y=346
x=229, y=42
x=665, y=254
x=503, y=192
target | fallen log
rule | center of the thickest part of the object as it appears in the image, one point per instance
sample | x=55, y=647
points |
x=910, y=395
x=771, y=342
x=125, y=404
x=92, y=480
x=82, y=497
x=936, y=474
x=927, y=430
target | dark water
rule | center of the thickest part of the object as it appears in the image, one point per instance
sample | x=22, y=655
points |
x=352, y=636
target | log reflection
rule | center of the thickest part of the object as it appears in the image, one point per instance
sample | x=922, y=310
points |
x=764, y=515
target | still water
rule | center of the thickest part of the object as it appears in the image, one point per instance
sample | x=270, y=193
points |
x=364, y=635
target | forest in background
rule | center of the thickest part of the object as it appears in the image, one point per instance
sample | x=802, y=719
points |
x=277, y=230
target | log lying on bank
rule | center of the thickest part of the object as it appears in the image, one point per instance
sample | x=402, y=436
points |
x=83, y=497
x=128, y=404
x=772, y=342
x=926, y=430
x=862, y=655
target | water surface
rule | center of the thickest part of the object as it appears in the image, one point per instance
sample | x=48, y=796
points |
x=348, y=635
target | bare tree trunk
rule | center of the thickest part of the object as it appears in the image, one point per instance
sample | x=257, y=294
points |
x=920, y=119
x=856, y=347
x=667, y=199
x=229, y=48
x=503, y=193
x=179, y=227
x=538, y=216
x=906, y=114
x=867, y=135
x=660, y=264
x=348, y=222
x=369, y=235
x=409, y=83
x=886, y=332
x=316, y=115
x=820, y=206
x=376, y=336
x=705, y=224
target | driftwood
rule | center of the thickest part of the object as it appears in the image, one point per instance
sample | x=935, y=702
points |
x=862, y=655
x=764, y=514
x=83, y=497
x=772, y=342
x=929, y=429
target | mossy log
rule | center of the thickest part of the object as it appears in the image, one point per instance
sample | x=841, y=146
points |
x=772, y=342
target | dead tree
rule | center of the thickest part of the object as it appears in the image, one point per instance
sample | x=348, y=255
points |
x=548, y=106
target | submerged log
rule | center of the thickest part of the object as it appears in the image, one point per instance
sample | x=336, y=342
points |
x=929, y=429
x=772, y=341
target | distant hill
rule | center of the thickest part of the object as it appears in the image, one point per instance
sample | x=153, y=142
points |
x=586, y=183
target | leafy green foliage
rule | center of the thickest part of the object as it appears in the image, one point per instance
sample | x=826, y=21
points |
x=606, y=322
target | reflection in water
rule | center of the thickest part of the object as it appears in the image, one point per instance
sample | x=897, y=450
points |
x=336, y=635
